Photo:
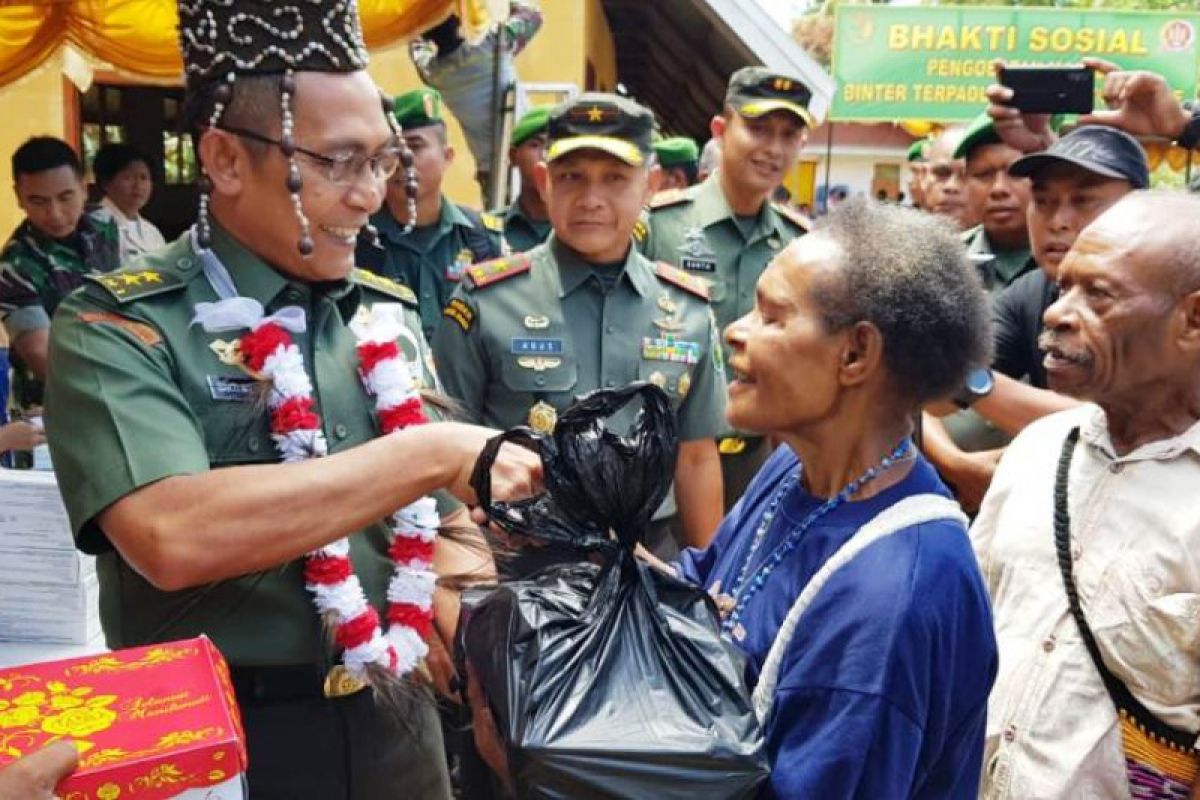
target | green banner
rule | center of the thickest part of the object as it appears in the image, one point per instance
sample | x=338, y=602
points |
x=933, y=63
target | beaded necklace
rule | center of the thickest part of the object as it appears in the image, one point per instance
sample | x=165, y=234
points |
x=750, y=582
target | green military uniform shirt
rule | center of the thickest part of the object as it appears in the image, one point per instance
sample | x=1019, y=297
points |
x=36, y=273
x=138, y=393
x=694, y=229
x=431, y=260
x=535, y=330
x=520, y=232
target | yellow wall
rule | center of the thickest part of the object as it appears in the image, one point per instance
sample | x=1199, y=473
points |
x=33, y=106
x=572, y=31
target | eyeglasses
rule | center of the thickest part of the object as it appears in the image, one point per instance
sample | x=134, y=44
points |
x=342, y=170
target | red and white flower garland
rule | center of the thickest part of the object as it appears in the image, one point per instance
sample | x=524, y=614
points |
x=269, y=350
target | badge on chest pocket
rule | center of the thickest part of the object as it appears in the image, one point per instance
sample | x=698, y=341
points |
x=458, y=267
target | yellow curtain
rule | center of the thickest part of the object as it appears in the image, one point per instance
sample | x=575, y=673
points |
x=140, y=36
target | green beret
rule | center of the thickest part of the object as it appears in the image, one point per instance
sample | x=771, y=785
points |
x=531, y=123
x=980, y=131
x=917, y=151
x=419, y=108
x=677, y=151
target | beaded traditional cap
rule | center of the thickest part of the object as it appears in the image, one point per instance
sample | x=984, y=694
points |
x=268, y=36
x=224, y=39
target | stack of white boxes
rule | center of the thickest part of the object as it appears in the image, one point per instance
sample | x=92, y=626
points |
x=48, y=589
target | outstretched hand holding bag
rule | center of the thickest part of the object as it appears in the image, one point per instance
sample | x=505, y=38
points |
x=610, y=679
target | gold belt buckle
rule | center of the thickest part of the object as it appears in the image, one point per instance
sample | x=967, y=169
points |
x=340, y=683
x=731, y=445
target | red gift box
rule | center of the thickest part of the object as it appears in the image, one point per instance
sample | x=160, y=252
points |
x=150, y=722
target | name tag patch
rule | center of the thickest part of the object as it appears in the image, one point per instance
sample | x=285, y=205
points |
x=537, y=346
x=232, y=390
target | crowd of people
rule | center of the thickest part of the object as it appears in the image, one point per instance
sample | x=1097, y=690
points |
x=932, y=462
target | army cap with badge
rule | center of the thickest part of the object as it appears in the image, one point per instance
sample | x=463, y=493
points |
x=757, y=91
x=598, y=121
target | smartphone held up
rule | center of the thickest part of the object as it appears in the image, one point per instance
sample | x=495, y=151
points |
x=1050, y=89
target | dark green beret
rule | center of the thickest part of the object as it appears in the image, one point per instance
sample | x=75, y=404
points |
x=677, y=151
x=918, y=150
x=980, y=131
x=531, y=123
x=419, y=108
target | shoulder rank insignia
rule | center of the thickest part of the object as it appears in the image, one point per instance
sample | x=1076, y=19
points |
x=641, y=230
x=500, y=269
x=792, y=215
x=677, y=277
x=492, y=222
x=384, y=286
x=134, y=284
x=669, y=197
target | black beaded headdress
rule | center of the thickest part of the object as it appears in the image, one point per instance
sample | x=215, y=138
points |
x=223, y=39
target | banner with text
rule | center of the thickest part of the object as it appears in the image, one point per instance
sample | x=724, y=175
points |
x=933, y=63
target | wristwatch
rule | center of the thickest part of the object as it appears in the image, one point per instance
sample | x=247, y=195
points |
x=1190, y=137
x=979, y=384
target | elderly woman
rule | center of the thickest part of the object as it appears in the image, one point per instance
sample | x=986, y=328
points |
x=876, y=685
x=124, y=176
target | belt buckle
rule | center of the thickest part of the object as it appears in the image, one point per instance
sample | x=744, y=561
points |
x=340, y=683
x=731, y=445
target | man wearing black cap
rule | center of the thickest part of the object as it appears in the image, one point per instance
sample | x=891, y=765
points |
x=195, y=392
x=1073, y=182
x=726, y=229
x=525, y=334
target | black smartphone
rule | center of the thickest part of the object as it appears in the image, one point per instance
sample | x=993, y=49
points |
x=1051, y=90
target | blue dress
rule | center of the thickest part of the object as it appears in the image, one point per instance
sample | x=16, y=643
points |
x=883, y=690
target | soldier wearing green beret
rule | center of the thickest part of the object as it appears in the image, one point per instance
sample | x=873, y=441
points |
x=526, y=223
x=428, y=253
x=726, y=229
x=999, y=245
x=190, y=457
x=918, y=164
x=585, y=310
x=679, y=157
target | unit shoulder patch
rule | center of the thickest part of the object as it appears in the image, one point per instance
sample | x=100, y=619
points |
x=669, y=197
x=497, y=270
x=792, y=215
x=135, y=284
x=677, y=277
x=383, y=285
x=144, y=333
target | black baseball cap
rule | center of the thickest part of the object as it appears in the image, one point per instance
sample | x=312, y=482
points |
x=598, y=121
x=757, y=91
x=1096, y=148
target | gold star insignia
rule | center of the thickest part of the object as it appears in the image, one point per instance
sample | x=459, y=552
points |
x=132, y=279
x=595, y=114
x=151, y=277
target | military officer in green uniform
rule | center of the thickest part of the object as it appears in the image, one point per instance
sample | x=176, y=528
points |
x=526, y=222
x=47, y=256
x=525, y=334
x=160, y=434
x=679, y=157
x=726, y=229
x=430, y=247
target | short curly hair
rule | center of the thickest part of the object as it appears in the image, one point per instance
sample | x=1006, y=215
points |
x=112, y=159
x=907, y=273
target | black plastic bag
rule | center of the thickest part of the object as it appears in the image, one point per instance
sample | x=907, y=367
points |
x=608, y=680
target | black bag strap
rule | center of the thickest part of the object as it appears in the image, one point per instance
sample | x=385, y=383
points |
x=1117, y=690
